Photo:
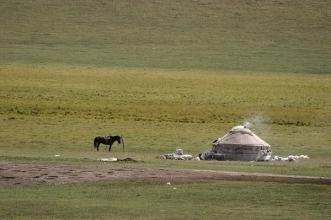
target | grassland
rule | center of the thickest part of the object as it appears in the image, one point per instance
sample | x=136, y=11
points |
x=104, y=200
x=273, y=36
x=165, y=74
x=51, y=110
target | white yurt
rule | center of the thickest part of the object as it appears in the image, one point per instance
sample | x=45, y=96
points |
x=240, y=143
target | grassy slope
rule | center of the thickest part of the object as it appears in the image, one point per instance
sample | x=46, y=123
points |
x=51, y=110
x=276, y=36
x=58, y=109
x=226, y=200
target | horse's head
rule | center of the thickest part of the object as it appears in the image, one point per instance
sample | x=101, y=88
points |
x=118, y=139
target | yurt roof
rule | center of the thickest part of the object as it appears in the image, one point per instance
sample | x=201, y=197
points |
x=241, y=135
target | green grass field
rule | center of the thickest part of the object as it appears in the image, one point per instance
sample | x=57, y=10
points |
x=58, y=110
x=165, y=75
x=274, y=36
x=118, y=200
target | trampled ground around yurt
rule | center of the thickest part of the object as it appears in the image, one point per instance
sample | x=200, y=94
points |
x=27, y=174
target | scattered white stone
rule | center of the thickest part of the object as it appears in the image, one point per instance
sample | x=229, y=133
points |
x=289, y=158
x=168, y=183
x=57, y=155
x=177, y=155
x=179, y=152
x=268, y=157
x=111, y=159
x=196, y=158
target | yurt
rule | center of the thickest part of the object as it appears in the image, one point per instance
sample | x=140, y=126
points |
x=240, y=143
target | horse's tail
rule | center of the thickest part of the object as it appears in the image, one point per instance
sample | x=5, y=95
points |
x=122, y=142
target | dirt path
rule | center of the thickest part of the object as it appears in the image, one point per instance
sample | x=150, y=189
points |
x=14, y=174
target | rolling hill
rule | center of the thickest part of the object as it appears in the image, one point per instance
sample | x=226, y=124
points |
x=271, y=36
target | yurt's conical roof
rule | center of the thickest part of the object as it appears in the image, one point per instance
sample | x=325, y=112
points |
x=241, y=135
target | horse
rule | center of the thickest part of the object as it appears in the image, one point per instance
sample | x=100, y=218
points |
x=108, y=140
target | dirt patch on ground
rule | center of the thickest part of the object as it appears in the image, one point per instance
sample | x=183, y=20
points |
x=14, y=174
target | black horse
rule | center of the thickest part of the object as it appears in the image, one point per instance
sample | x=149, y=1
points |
x=107, y=140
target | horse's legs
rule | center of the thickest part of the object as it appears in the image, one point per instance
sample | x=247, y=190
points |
x=110, y=144
x=98, y=146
